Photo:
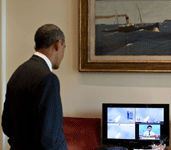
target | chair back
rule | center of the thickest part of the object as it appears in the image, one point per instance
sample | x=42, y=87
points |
x=82, y=133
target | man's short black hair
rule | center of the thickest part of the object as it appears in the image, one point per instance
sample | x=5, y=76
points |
x=149, y=126
x=47, y=34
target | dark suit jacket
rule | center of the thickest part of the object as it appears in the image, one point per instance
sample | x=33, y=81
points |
x=32, y=117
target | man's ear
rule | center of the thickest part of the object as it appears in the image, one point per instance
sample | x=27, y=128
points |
x=35, y=48
x=57, y=43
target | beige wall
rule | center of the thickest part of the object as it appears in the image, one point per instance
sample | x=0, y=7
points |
x=82, y=93
x=1, y=139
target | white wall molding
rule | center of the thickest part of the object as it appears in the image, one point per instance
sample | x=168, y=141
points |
x=3, y=140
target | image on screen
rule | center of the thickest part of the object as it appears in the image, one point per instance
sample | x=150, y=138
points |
x=149, y=131
x=121, y=115
x=121, y=131
x=153, y=115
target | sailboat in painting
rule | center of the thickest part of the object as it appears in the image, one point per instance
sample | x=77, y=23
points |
x=128, y=27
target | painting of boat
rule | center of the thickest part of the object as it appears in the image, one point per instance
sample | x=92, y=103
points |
x=128, y=27
x=150, y=38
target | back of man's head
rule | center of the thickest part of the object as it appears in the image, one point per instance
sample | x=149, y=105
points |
x=46, y=35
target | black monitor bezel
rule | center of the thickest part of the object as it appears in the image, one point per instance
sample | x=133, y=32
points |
x=124, y=142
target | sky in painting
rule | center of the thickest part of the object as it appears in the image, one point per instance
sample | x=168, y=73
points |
x=151, y=10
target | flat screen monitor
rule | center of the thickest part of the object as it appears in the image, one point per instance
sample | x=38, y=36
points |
x=135, y=124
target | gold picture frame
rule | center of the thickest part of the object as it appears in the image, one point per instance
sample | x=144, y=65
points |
x=86, y=44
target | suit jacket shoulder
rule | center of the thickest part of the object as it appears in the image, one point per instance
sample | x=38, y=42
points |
x=30, y=73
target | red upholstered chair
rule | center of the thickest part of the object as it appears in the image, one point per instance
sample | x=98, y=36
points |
x=82, y=133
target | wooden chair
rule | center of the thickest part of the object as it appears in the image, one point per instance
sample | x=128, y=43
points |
x=82, y=133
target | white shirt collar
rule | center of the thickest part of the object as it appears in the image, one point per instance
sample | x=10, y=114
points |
x=45, y=59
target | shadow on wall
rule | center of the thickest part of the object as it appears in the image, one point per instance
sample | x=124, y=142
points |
x=125, y=79
x=86, y=114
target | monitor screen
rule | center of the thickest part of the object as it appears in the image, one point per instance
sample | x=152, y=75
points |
x=136, y=123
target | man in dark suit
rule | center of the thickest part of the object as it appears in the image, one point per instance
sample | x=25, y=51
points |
x=32, y=117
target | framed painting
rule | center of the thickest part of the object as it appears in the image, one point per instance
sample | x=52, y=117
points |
x=125, y=36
